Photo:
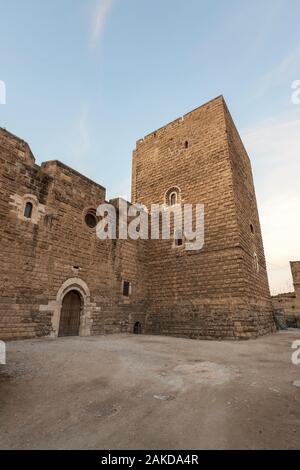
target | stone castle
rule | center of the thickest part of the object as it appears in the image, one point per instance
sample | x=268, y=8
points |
x=58, y=279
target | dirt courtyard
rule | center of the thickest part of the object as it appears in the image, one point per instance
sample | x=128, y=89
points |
x=145, y=392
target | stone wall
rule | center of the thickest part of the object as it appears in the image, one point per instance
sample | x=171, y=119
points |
x=222, y=290
x=44, y=257
x=218, y=292
x=255, y=292
x=289, y=303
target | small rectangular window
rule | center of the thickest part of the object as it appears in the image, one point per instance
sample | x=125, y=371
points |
x=178, y=238
x=126, y=288
x=178, y=242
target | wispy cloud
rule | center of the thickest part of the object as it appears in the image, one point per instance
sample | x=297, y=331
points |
x=100, y=14
x=273, y=78
x=274, y=148
x=82, y=138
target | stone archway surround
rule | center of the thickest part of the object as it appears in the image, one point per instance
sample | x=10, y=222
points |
x=55, y=306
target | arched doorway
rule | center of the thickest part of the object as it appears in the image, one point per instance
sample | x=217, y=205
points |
x=70, y=314
x=137, y=329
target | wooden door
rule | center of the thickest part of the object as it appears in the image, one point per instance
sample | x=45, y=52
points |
x=137, y=329
x=70, y=315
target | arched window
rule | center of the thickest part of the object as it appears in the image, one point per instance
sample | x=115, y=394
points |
x=173, y=199
x=172, y=196
x=28, y=210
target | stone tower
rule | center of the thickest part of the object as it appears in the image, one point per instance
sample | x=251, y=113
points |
x=222, y=290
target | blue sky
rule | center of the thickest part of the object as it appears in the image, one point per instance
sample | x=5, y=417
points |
x=86, y=78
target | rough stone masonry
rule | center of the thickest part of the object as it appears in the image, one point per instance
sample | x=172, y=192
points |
x=58, y=279
x=289, y=303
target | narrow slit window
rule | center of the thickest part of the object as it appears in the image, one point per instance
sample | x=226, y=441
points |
x=178, y=238
x=256, y=263
x=28, y=210
x=126, y=288
x=186, y=144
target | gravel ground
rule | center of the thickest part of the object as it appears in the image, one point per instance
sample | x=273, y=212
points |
x=146, y=392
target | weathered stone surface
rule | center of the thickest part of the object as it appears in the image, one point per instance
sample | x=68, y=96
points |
x=289, y=302
x=219, y=292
